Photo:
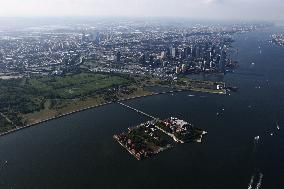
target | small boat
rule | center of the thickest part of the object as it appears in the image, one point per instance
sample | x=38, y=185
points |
x=190, y=95
x=277, y=126
x=256, y=138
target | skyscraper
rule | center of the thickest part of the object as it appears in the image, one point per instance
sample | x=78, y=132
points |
x=173, y=52
x=222, y=61
x=118, y=57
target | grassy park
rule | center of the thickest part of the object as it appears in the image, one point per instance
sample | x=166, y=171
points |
x=29, y=100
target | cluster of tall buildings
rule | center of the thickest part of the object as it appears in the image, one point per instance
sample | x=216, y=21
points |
x=121, y=47
x=191, y=58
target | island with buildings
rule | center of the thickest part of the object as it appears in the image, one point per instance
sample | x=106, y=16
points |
x=153, y=137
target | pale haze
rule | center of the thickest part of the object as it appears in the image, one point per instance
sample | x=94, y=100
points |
x=198, y=9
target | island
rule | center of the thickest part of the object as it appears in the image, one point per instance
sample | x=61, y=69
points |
x=153, y=137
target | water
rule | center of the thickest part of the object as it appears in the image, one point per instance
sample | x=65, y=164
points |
x=78, y=151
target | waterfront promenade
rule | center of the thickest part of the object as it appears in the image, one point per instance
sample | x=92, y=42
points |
x=120, y=102
x=18, y=128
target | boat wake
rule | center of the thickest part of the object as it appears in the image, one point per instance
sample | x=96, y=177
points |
x=190, y=95
x=258, y=185
x=255, y=181
x=251, y=182
x=277, y=125
x=256, y=139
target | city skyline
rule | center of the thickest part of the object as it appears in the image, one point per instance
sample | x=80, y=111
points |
x=195, y=9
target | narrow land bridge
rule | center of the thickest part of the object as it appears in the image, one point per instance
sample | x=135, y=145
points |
x=152, y=117
x=136, y=110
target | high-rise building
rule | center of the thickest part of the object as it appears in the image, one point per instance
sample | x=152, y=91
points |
x=165, y=63
x=178, y=69
x=151, y=58
x=222, y=61
x=183, y=67
x=173, y=52
x=182, y=55
x=187, y=51
x=118, y=57
x=142, y=59
x=163, y=55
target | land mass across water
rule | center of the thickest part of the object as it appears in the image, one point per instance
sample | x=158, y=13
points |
x=28, y=101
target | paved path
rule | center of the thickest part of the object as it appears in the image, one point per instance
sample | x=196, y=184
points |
x=136, y=110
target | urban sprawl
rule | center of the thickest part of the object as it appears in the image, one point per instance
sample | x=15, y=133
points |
x=120, y=47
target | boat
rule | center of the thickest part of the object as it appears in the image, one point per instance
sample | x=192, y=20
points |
x=277, y=126
x=256, y=138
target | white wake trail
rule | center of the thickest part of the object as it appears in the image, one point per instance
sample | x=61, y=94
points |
x=251, y=182
x=259, y=181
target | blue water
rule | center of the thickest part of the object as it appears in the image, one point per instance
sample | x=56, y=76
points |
x=78, y=151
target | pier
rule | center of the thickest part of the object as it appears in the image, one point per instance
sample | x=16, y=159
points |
x=136, y=110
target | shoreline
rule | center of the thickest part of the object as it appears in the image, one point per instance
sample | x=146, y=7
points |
x=97, y=106
x=116, y=138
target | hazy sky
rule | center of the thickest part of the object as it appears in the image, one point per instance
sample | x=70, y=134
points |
x=213, y=9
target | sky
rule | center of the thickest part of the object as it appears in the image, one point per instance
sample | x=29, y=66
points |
x=196, y=9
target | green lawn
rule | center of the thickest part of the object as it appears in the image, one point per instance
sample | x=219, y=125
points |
x=28, y=95
x=73, y=86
